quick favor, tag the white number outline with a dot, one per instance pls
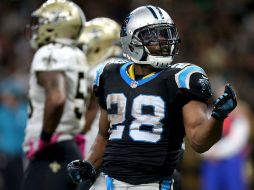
(116, 130)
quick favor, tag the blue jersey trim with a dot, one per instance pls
(165, 185)
(109, 183)
(183, 77)
(98, 75)
(129, 81)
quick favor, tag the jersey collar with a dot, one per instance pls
(130, 79)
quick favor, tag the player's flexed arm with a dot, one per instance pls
(55, 96)
(81, 171)
(202, 132)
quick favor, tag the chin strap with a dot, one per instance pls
(158, 62)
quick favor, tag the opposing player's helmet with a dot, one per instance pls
(100, 39)
(56, 20)
(149, 36)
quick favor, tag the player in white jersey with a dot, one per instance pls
(57, 94)
(100, 41)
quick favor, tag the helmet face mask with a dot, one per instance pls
(149, 36)
(55, 20)
(159, 40)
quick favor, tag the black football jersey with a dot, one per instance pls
(146, 125)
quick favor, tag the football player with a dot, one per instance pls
(100, 41)
(57, 94)
(147, 107)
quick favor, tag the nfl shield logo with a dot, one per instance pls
(134, 84)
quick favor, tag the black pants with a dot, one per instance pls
(177, 180)
(47, 171)
(10, 171)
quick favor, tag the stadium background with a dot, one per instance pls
(216, 34)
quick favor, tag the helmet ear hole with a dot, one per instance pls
(47, 40)
(49, 30)
(144, 56)
(97, 50)
(131, 48)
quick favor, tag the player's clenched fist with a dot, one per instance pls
(225, 103)
(81, 171)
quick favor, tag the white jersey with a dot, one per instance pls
(72, 62)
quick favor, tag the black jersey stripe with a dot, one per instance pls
(160, 12)
(152, 11)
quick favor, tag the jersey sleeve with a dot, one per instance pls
(102, 74)
(98, 87)
(56, 58)
(194, 84)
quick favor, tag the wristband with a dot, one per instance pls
(45, 136)
(91, 170)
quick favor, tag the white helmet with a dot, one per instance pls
(147, 27)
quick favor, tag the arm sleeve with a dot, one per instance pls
(194, 84)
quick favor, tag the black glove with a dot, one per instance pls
(225, 103)
(81, 171)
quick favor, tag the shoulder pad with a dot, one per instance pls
(107, 65)
(180, 65)
(115, 60)
(182, 77)
(53, 57)
(98, 75)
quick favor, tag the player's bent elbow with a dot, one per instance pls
(199, 148)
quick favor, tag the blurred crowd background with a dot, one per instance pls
(217, 35)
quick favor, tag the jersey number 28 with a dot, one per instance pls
(151, 122)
